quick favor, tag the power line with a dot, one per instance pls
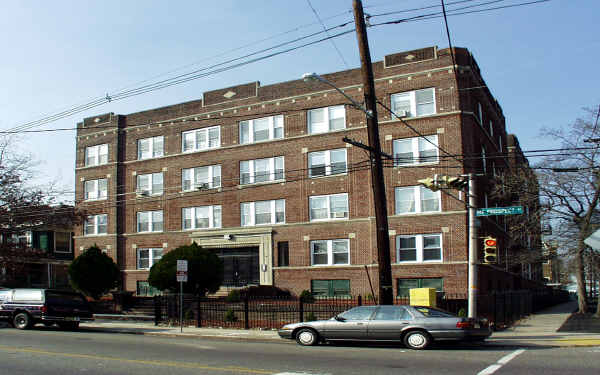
(325, 29)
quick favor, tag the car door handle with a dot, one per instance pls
(403, 322)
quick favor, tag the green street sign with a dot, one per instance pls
(492, 211)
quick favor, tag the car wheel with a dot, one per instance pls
(417, 340)
(307, 337)
(22, 321)
(69, 326)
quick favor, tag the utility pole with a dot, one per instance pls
(473, 283)
(381, 222)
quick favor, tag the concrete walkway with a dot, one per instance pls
(539, 329)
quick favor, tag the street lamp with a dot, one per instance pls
(314, 77)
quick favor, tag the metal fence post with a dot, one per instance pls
(199, 312)
(246, 318)
(301, 310)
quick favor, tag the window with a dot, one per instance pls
(392, 313)
(150, 147)
(62, 242)
(405, 285)
(419, 248)
(417, 150)
(330, 252)
(479, 114)
(264, 212)
(261, 170)
(150, 184)
(415, 199)
(95, 189)
(262, 129)
(323, 120)
(95, 224)
(96, 155)
(325, 163)
(483, 161)
(283, 254)
(414, 103)
(491, 128)
(201, 139)
(148, 257)
(330, 288)
(326, 207)
(150, 221)
(359, 313)
(201, 217)
(208, 177)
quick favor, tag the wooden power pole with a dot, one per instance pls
(381, 219)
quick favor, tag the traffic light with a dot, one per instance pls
(443, 182)
(490, 250)
(430, 183)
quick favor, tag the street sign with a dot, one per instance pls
(182, 270)
(492, 211)
(182, 265)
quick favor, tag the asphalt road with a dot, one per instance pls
(52, 352)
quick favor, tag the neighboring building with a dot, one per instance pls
(48, 268)
(261, 175)
(552, 264)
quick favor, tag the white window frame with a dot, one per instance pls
(491, 130)
(197, 147)
(483, 160)
(151, 177)
(330, 261)
(416, 143)
(92, 191)
(275, 123)
(327, 117)
(70, 242)
(412, 97)
(150, 215)
(330, 214)
(213, 172)
(96, 152)
(96, 220)
(152, 259)
(212, 211)
(479, 116)
(251, 206)
(419, 241)
(328, 165)
(417, 199)
(153, 150)
(251, 170)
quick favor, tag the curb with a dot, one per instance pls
(184, 335)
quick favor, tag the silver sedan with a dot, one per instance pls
(415, 326)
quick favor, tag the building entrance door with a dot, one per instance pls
(241, 266)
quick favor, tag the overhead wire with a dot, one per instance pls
(327, 33)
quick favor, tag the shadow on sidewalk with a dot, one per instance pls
(587, 323)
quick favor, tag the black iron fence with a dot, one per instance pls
(501, 309)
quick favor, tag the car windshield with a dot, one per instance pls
(358, 313)
(434, 313)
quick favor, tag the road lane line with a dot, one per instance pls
(501, 362)
(137, 361)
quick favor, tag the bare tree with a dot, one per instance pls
(24, 207)
(568, 185)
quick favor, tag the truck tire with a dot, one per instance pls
(22, 320)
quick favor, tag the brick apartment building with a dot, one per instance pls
(261, 175)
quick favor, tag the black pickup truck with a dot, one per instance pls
(25, 307)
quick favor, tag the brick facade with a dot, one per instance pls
(454, 122)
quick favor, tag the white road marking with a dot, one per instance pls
(501, 362)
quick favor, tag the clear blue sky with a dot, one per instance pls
(540, 61)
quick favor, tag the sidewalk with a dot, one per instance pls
(542, 327)
(539, 329)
